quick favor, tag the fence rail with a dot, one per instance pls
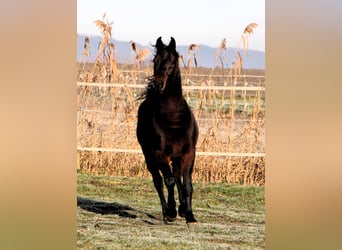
(137, 151)
(231, 143)
(193, 87)
(200, 75)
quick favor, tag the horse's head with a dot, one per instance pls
(165, 63)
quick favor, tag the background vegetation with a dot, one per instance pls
(230, 121)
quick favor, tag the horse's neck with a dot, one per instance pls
(173, 107)
(174, 89)
(172, 103)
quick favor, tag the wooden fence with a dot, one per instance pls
(231, 145)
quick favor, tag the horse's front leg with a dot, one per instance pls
(158, 184)
(187, 193)
(187, 189)
(181, 193)
(169, 180)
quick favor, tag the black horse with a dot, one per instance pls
(167, 132)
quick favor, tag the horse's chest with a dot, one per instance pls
(172, 130)
(172, 142)
(173, 114)
(172, 122)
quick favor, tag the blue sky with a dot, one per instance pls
(201, 22)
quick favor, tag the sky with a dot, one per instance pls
(204, 22)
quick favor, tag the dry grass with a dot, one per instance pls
(229, 120)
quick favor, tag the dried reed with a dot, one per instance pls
(219, 54)
(105, 66)
(192, 51)
(244, 37)
(141, 54)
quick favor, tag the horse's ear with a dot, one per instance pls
(172, 44)
(159, 44)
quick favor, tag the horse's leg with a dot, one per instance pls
(169, 180)
(184, 188)
(168, 208)
(178, 178)
(158, 184)
(188, 189)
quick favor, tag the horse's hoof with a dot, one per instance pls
(190, 219)
(182, 215)
(191, 223)
(167, 220)
(181, 211)
(171, 214)
(170, 219)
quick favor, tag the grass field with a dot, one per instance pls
(125, 213)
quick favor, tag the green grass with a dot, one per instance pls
(125, 213)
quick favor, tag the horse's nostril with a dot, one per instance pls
(162, 86)
(159, 83)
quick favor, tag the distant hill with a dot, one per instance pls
(205, 55)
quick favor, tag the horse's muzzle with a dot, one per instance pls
(161, 83)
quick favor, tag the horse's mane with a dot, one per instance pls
(150, 89)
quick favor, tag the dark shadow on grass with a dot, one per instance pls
(101, 207)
